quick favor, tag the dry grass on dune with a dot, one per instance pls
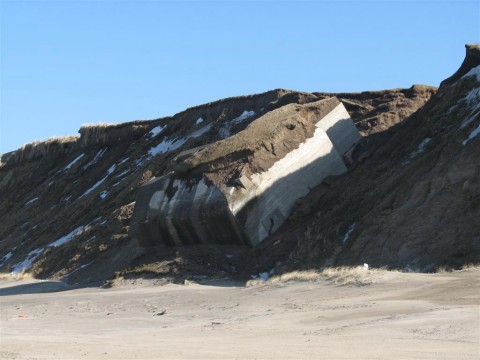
(96, 125)
(16, 276)
(448, 269)
(358, 276)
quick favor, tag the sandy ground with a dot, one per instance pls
(401, 316)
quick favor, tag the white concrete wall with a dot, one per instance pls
(276, 190)
(200, 213)
(196, 213)
(340, 129)
(264, 207)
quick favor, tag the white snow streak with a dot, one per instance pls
(6, 257)
(225, 130)
(199, 121)
(472, 135)
(73, 162)
(347, 234)
(97, 184)
(472, 98)
(200, 131)
(33, 255)
(79, 268)
(111, 169)
(69, 236)
(421, 147)
(32, 201)
(157, 131)
(123, 173)
(98, 155)
(25, 264)
(168, 145)
(123, 161)
(473, 72)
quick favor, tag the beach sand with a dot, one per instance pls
(400, 316)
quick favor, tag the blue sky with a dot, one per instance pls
(65, 63)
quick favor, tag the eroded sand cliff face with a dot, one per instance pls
(411, 200)
(414, 200)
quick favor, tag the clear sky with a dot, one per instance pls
(65, 63)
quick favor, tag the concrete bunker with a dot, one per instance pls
(241, 189)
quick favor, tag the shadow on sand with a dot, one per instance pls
(37, 287)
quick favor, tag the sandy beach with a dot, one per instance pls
(400, 316)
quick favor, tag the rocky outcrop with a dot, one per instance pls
(108, 134)
(472, 59)
(377, 111)
(54, 148)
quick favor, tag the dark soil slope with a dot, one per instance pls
(412, 202)
(66, 203)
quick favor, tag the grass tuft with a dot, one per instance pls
(344, 275)
(16, 276)
(471, 266)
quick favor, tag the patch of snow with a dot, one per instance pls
(123, 173)
(226, 129)
(139, 161)
(473, 72)
(199, 121)
(104, 194)
(25, 264)
(471, 118)
(156, 131)
(365, 266)
(473, 102)
(123, 161)
(420, 148)
(51, 183)
(111, 169)
(132, 203)
(200, 131)
(6, 257)
(69, 236)
(32, 201)
(97, 184)
(472, 135)
(73, 162)
(98, 155)
(472, 95)
(245, 115)
(264, 276)
(79, 268)
(167, 145)
(347, 234)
